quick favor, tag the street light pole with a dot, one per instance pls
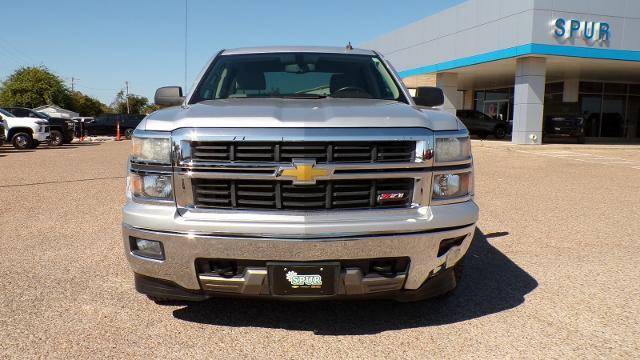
(186, 18)
(127, 95)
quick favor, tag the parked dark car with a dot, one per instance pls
(62, 130)
(483, 125)
(105, 125)
(564, 126)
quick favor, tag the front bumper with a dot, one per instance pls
(417, 238)
(41, 136)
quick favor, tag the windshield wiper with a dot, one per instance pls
(302, 96)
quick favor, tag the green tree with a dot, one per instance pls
(32, 87)
(86, 105)
(137, 103)
(150, 108)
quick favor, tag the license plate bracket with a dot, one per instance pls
(303, 279)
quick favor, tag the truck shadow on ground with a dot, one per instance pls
(491, 283)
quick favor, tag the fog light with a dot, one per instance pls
(147, 248)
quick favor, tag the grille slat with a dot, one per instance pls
(329, 194)
(279, 151)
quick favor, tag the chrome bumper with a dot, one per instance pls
(254, 281)
(182, 250)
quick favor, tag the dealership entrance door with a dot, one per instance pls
(497, 109)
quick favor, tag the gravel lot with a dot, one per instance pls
(553, 271)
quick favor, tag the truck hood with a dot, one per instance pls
(298, 113)
(22, 121)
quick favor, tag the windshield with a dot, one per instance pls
(41, 115)
(6, 113)
(297, 75)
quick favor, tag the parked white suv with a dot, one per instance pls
(25, 132)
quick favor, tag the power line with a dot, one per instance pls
(97, 89)
(24, 57)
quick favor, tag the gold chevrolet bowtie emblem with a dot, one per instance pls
(305, 173)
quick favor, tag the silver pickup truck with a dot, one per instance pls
(300, 173)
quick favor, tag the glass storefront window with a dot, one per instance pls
(612, 88)
(633, 117)
(613, 114)
(590, 87)
(554, 88)
(634, 89)
(590, 106)
(608, 109)
(497, 103)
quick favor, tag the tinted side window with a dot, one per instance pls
(20, 112)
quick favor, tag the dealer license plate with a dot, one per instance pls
(302, 279)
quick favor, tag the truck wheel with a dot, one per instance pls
(22, 141)
(128, 133)
(500, 132)
(55, 138)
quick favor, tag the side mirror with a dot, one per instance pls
(429, 96)
(168, 96)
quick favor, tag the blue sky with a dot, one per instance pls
(105, 43)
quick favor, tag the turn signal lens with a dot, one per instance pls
(154, 187)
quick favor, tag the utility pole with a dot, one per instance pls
(186, 18)
(73, 81)
(127, 95)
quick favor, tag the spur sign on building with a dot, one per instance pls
(589, 31)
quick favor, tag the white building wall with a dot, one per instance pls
(482, 26)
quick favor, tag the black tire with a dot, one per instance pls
(500, 132)
(458, 270)
(55, 138)
(165, 300)
(128, 133)
(22, 141)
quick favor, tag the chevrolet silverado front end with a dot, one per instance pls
(298, 173)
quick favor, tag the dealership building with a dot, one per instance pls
(527, 60)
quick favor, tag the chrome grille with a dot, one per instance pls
(334, 152)
(330, 194)
(301, 168)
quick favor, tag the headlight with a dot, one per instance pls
(154, 147)
(453, 149)
(42, 122)
(153, 187)
(448, 186)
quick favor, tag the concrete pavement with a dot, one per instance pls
(553, 271)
